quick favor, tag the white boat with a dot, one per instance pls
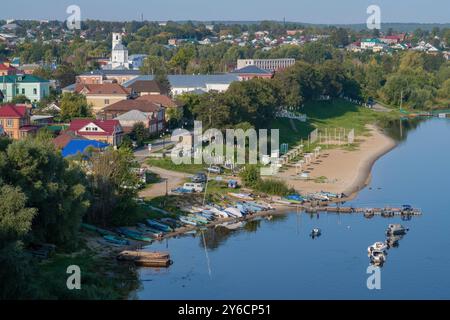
(377, 257)
(377, 246)
(242, 196)
(218, 213)
(396, 229)
(235, 212)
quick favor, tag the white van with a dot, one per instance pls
(194, 187)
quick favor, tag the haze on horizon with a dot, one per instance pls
(306, 11)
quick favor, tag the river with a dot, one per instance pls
(278, 259)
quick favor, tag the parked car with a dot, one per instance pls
(194, 187)
(215, 170)
(199, 177)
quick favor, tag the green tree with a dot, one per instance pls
(250, 176)
(74, 105)
(139, 133)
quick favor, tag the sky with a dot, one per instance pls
(308, 11)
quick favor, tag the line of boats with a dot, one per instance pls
(196, 216)
(377, 252)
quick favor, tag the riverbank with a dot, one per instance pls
(340, 170)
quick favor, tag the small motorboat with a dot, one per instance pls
(377, 246)
(396, 229)
(377, 257)
(315, 233)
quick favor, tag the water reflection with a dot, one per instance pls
(400, 129)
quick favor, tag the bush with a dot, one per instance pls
(274, 187)
(250, 176)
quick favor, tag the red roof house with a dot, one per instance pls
(108, 131)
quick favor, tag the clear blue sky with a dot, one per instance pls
(312, 11)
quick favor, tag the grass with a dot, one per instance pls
(167, 164)
(101, 278)
(329, 114)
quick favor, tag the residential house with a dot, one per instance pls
(63, 139)
(41, 120)
(108, 76)
(145, 87)
(76, 147)
(252, 72)
(7, 70)
(107, 131)
(368, 44)
(102, 95)
(29, 68)
(155, 114)
(34, 88)
(15, 121)
(391, 40)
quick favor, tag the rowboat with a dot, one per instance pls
(189, 221)
(116, 240)
(137, 255)
(92, 228)
(134, 235)
(171, 222)
(241, 196)
(234, 212)
(294, 199)
(157, 234)
(153, 263)
(197, 218)
(217, 212)
(250, 207)
(158, 225)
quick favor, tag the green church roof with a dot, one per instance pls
(21, 79)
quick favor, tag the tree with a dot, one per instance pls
(50, 185)
(20, 99)
(113, 182)
(153, 65)
(74, 105)
(164, 83)
(139, 133)
(65, 74)
(250, 176)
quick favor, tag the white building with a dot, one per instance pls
(119, 54)
(266, 64)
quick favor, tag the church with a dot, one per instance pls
(119, 55)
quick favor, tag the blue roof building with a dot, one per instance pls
(75, 147)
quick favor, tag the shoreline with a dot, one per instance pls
(346, 172)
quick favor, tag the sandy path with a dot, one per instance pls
(174, 180)
(346, 171)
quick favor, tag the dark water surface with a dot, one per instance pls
(278, 260)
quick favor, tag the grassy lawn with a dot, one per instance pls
(167, 164)
(330, 115)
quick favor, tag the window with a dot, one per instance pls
(34, 91)
(9, 123)
(23, 91)
(106, 101)
(17, 90)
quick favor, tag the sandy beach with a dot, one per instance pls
(345, 171)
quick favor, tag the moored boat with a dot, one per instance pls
(241, 196)
(116, 240)
(135, 235)
(396, 229)
(377, 246)
(158, 225)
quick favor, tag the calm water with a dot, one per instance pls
(278, 260)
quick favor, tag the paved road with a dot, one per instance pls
(169, 179)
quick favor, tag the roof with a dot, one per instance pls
(163, 100)
(64, 138)
(133, 115)
(99, 89)
(5, 67)
(12, 111)
(146, 86)
(128, 105)
(121, 72)
(79, 146)
(108, 126)
(120, 47)
(26, 78)
(252, 70)
(40, 117)
(191, 81)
